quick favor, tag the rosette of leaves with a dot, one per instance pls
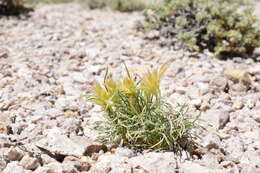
(138, 116)
(224, 27)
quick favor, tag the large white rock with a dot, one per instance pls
(13, 167)
(155, 162)
(60, 144)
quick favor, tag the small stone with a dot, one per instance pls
(196, 102)
(46, 159)
(226, 163)
(203, 88)
(71, 125)
(254, 70)
(196, 78)
(155, 162)
(247, 168)
(256, 116)
(189, 167)
(79, 77)
(216, 118)
(94, 148)
(13, 167)
(238, 104)
(5, 141)
(204, 106)
(223, 135)
(234, 153)
(218, 83)
(211, 141)
(210, 160)
(180, 90)
(250, 157)
(152, 34)
(91, 146)
(124, 152)
(94, 69)
(250, 103)
(36, 118)
(256, 145)
(14, 154)
(54, 167)
(29, 162)
(61, 103)
(81, 164)
(3, 55)
(69, 168)
(77, 54)
(257, 88)
(92, 52)
(59, 90)
(71, 114)
(5, 121)
(237, 75)
(237, 87)
(2, 164)
(108, 162)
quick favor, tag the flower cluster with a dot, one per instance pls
(138, 116)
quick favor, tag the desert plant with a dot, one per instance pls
(126, 5)
(36, 2)
(93, 4)
(120, 5)
(12, 2)
(13, 7)
(222, 26)
(138, 116)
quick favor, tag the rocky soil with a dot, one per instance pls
(50, 60)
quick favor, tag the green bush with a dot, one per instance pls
(224, 27)
(13, 7)
(126, 5)
(138, 116)
(93, 4)
(120, 5)
(37, 2)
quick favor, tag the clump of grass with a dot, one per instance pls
(137, 114)
(224, 27)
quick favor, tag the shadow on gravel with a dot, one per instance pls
(255, 57)
(14, 10)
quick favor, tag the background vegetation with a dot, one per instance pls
(222, 26)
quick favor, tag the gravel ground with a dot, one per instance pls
(48, 61)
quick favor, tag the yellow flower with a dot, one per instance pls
(111, 85)
(105, 96)
(151, 81)
(101, 96)
(128, 85)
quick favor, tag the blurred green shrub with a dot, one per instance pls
(224, 27)
(138, 116)
(13, 7)
(93, 4)
(120, 5)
